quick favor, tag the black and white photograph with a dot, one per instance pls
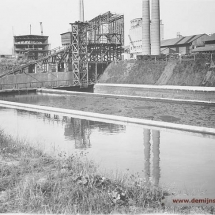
(107, 107)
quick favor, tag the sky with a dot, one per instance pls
(185, 16)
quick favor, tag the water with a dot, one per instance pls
(188, 114)
(181, 160)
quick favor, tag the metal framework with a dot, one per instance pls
(93, 46)
(31, 46)
(107, 28)
(79, 54)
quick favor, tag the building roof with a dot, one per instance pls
(180, 41)
(170, 42)
(204, 49)
(66, 32)
(31, 36)
(210, 38)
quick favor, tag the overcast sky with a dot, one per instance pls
(185, 16)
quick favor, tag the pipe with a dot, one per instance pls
(146, 49)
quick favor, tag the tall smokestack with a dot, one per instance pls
(155, 27)
(146, 50)
(81, 10)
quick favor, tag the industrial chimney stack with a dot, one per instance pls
(146, 49)
(81, 10)
(151, 33)
(155, 27)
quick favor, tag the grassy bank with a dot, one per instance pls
(133, 72)
(174, 72)
(32, 182)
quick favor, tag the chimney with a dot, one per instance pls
(81, 10)
(155, 27)
(146, 50)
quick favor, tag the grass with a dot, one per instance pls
(133, 72)
(32, 182)
(185, 73)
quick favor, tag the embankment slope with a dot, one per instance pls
(174, 72)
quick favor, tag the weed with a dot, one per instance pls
(38, 183)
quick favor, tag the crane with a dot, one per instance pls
(131, 41)
(41, 28)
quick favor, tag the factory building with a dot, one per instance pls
(135, 36)
(30, 46)
(182, 44)
(107, 28)
(209, 45)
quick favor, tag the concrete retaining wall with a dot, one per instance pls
(171, 92)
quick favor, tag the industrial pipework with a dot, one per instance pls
(155, 27)
(146, 49)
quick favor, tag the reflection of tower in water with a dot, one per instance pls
(78, 130)
(81, 133)
(153, 137)
(147, 147)
(75, 129)
(156, 158)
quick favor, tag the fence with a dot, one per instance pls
(208, 57)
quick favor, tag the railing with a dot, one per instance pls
(35, 84)
(179, 57)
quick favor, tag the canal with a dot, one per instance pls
(176, 159)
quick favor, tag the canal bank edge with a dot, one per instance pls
(187, 72)
(164, 92)
(108, 118)
(130, 97)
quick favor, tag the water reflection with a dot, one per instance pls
(159, 156)
(147, 149)
(152, 137)
(82, 132)
(156, 157)
(80, 129)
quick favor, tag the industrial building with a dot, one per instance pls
(182, 44)
(145, 34)
(30, 46)
(135, 36)
(94, 45)
(209, 45)
(107, 28)
(87, 49)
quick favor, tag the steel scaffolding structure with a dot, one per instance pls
(87, 51)
(79, 54)
(107, 28)
(105, 40)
